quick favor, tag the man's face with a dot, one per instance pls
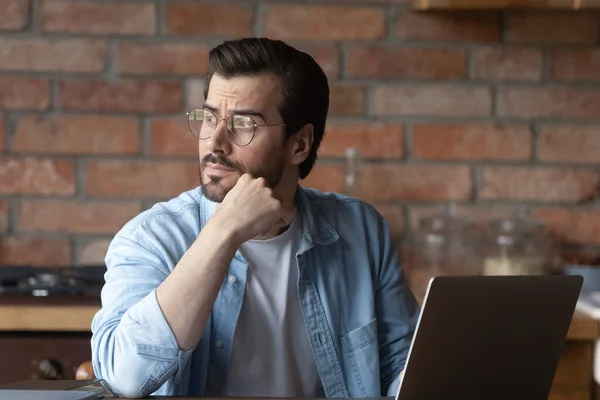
(222, 162)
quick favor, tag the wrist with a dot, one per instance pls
(224, 232)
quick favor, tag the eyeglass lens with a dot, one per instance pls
(203, 122)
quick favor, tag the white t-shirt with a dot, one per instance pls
(272, 356)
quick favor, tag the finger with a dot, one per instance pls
(280, 223)
(264, 234)
(243, 177)
(262, 182)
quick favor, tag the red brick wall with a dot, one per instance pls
(491, 110)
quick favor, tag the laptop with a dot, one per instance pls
(46, 395)
(489, 337)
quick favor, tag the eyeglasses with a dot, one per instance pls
(241, 128)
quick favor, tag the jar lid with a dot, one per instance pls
(508, 225)
(445, 224)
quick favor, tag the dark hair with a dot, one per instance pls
(305, 94)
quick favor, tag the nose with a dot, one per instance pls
(219, 140)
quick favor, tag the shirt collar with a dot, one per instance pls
(316, 228)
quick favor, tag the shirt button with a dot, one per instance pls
(219, 343)
(232, 279)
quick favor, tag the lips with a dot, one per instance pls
(219, 167)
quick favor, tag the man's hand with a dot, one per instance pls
(251, 209)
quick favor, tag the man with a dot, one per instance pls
(252, 285)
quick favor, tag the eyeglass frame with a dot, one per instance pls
(219, 119)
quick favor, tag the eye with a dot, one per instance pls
(209, 117)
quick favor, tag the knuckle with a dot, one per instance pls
(272, 201)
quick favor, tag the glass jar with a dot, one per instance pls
(518, 246)
(442, 245)
(353, 182)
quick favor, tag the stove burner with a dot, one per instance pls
(42, 282)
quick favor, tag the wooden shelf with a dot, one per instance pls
(433, 5)
(588, 4)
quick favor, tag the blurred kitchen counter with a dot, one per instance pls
(583, 328)
(573, 379)
(46, 337)
(29, 314)
(574, 375)
(26, 314)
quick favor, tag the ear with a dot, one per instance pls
(301, 143)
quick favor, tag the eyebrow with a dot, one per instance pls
(237, 111)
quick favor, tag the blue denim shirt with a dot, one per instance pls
(359, 314)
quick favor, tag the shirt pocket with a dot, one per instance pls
(361, 358)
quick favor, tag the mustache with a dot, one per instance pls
(220, 160)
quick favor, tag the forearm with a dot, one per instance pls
(136, 354)
(187, 295)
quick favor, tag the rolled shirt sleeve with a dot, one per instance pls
(133, 347)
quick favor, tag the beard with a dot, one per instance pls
(214, 189)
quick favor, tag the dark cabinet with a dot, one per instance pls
(42, 355)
